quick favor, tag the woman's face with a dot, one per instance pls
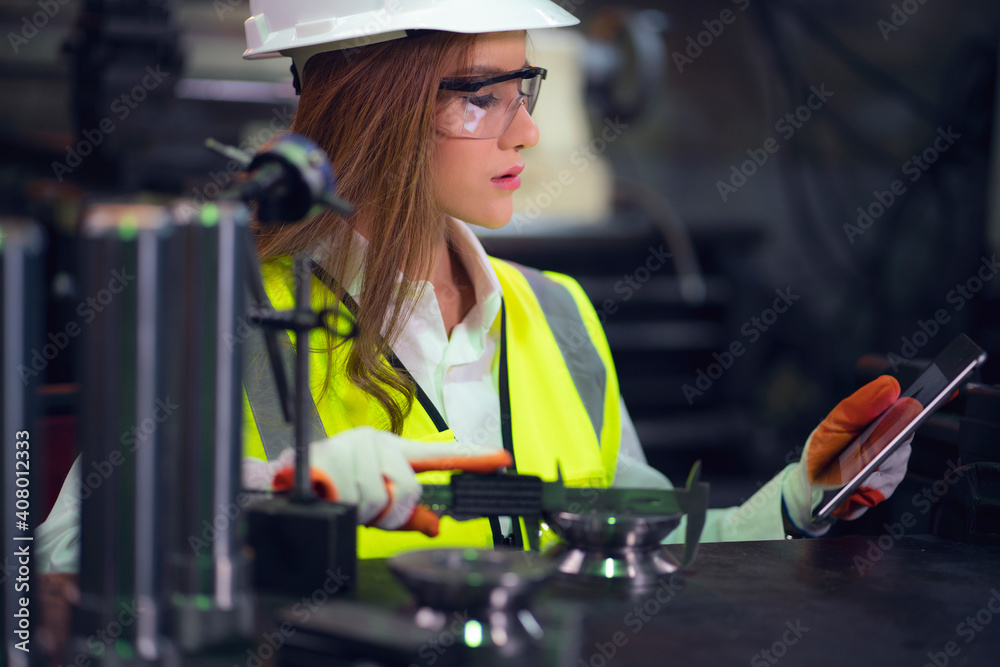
(472, 178)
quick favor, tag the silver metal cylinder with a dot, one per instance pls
(161, 410)
(119, 617)
(22, 297)
(205, 570)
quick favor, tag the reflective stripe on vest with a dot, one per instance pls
(563, 389)
(276, 435)
(585, 366)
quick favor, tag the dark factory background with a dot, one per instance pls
(791, 185)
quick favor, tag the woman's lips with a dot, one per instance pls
(507, 182)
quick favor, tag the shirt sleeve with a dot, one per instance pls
(58, 537)
(759, 518)
(632, 470)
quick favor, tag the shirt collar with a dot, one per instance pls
(470, 252)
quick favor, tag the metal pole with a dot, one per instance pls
(21, 287)
(303, 293)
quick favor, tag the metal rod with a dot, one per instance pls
(21, 313)
(303, 278)
(147, 368)
(227, 386)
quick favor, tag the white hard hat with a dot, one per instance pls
(303, 28)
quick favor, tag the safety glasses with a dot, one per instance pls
(485, 108)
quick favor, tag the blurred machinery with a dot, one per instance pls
(675, 283)
(22, 247)
(161, 514)
(638, 157)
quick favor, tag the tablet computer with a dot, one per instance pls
(900, 420)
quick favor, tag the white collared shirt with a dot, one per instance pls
(459, 372)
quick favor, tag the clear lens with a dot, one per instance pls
(488, 112)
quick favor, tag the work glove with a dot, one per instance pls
(803, 484)
(376, 471)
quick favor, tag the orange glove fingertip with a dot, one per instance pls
(478, 464)
(322, 485)
(887, 388)
(858, 410)
(424, 521)
(849, 418)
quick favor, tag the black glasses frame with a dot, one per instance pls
(473, 86)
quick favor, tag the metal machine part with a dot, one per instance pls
(160, 422)
(608, 533)
(492, 589)
(600, 545)
(624, 544)
(470, 495)
(297, 540)
(204, 568)
(287, 179)
(123, 253)
(124, 55)
(22, 246)
(626, 61)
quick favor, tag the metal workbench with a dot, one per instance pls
(839, 601)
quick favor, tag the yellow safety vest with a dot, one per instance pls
(564, 398)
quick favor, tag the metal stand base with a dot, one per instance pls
(301, 548)
(625, 548)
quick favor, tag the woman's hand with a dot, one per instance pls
(817, 470)
(376, 471)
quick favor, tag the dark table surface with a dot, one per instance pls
(881, 601)
(838, 601)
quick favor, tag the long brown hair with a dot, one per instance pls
(373, 110)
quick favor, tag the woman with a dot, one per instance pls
(425, 130)
(459, 360)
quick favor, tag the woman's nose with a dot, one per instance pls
(522, 131)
